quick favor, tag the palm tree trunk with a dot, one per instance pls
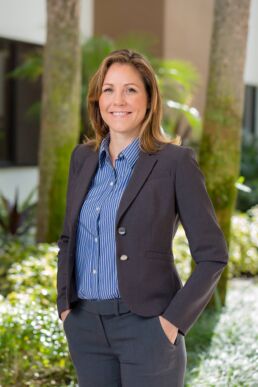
(60, 113)
(220, 146)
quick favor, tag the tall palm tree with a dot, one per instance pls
(60, 112)
(221, 140)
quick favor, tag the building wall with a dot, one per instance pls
(251, 67)
(25, 20)
(187, 35)
(182, 29)
(25, 179)
(114, 18)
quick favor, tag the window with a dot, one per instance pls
(251, 111)
(19, 131)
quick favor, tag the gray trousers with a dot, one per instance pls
(112, 347)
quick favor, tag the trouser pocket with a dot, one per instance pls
(163, 333)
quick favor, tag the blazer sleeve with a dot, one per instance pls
(206, 242)
(63, 243)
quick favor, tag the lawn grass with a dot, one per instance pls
(222, 347)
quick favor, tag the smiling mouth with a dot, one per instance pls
(120, 114)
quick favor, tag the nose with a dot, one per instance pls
(119, 98)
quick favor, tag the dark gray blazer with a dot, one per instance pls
(166, 187)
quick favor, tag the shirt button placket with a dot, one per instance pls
(94, 272)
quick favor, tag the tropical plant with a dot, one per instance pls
(17, 230)
(178, 81)
(31, 67)
(16, 219)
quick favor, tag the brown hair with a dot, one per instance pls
(151, 136)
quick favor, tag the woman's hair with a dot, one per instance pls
(151, 135)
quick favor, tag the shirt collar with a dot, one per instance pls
(130, 153)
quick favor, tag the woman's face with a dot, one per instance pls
(123, 100)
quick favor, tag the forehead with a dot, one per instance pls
(123, 73)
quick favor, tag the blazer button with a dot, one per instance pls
(123, 257)
(121, 231)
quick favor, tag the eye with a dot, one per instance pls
(107, 90)
(130, 90)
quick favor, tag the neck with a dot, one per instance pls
(118, 143)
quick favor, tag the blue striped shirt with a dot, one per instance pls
(96, 271)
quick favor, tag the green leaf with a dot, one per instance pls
(31, 68)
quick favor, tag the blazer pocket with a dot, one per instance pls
(159, 255)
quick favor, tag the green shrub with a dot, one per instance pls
(182, 255)
(244, 244)
(243, 249)
(12, 252)
(35, 276)
(33, 350)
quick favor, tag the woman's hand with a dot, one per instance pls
(170, 330)
(65, 313)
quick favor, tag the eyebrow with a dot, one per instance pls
(126, 84)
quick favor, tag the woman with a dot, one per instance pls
(124, 309)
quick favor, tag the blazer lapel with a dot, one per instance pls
(142, 169)
(83, 180)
